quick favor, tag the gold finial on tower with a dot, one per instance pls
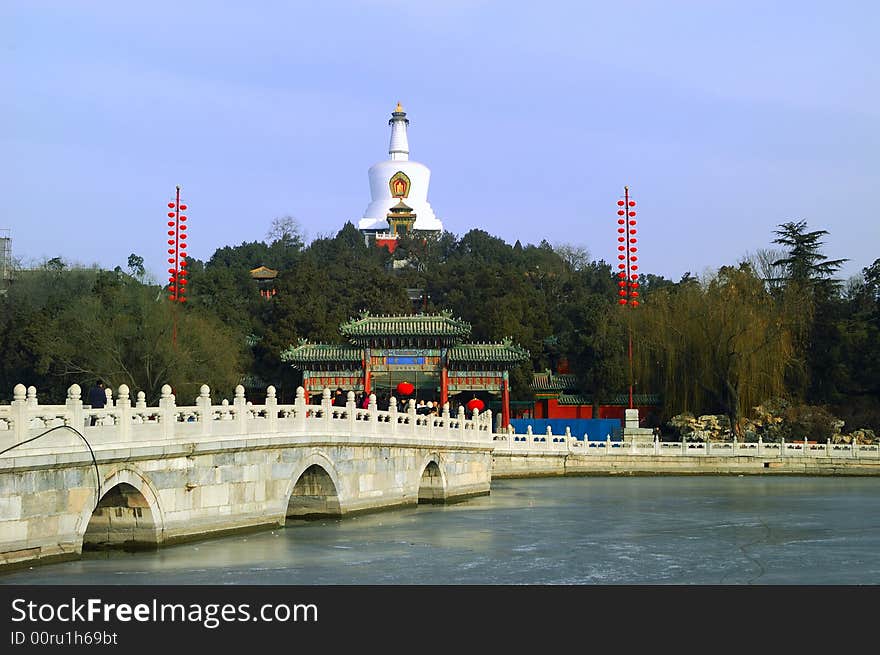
(399, 107)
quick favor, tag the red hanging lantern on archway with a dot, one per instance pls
(475, 404)
(405, 388)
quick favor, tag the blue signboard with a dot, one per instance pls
(405, 360)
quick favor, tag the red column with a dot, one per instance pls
(367, 380)
(505, 402)
(444, 386)
(306, 386)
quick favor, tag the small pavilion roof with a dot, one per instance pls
(311, 353)
(548, 381)
(263, 273)
(504, 352)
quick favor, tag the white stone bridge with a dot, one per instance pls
(156, 475)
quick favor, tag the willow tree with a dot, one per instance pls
(720, 346)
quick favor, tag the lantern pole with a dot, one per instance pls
(627, 277)
(176, 259)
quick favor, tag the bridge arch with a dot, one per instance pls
(432, 483)
(128, 514)
(313, 491)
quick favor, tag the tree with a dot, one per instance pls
(804, 263)
(136, 267)
(287, 230)
(721, 346)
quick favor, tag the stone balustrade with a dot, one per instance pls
(121, 422)
(510, 443)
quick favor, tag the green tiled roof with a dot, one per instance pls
(619, 399)
(575, 399)
(306, 353)
(505, 352)
(553, 382)
(415, 325)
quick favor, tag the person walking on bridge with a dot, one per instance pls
(97, 398)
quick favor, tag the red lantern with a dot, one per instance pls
(632, 203)
(631, 214)
(619, 203)
(405, 388)
(475, 404)
(171, 205)
(620, 212)
(622, 301)
(171, 214)
(183, 207)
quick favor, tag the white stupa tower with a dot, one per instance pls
(399, 189)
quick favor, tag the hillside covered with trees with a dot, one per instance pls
(775, 325)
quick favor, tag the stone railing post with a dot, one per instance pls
(206, 415)
(299, 405)
(373, 410)
(31, 400)
(350, 411)
(167, 411)
(392, 413)
(828, 447)
(708, 445)
(20, 412)
(782, 447)
(760, 446)
(73, 405)
(108, 393)
(413, 417)
(271, 409)
(239, 403)
(123, 405)
(549, 435)
(326, 407)
(461, 422)
(445, 415)
(607, 444)
(683, 445)
(141, 402)
(656, 445)
(734, 445)
(530, 437)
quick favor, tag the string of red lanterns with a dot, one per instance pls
(177, 250)
(627, 282)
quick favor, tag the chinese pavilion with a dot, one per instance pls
(265, 279)
(426, 350)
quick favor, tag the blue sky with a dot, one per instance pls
(724, 118)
